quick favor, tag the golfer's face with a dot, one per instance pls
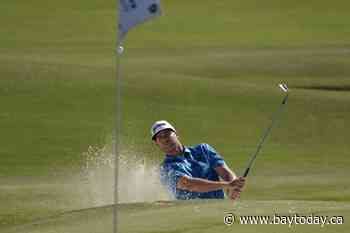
(167, 140)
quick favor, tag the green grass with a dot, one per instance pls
(196, 216)
(209, 68)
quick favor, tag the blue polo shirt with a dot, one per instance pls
(198, 161)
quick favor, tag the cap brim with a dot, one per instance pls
(154, 136)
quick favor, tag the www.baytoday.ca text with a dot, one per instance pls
(289, 220)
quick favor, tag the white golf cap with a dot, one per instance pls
(159, 126)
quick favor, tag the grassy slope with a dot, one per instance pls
(54, 98)
(201, 216)
(214, 77)
(57, 98)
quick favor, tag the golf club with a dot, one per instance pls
(284, 88)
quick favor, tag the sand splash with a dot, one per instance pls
(138, 179)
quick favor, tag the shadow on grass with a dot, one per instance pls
(325, 87)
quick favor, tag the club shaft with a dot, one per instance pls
(266, 133)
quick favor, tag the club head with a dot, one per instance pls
(283, 87)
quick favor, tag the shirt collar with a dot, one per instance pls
(181, 156)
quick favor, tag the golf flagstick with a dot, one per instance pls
(284, 88)
(131, 13)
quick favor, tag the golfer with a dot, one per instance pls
(193, 172)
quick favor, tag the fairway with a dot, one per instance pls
(211, 69)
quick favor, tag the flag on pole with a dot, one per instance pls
(134, 12)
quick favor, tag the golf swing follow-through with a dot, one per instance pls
(284, 88)
(193, 172)
(199, 171)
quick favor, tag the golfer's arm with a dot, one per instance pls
(225, 173)
(200, 185)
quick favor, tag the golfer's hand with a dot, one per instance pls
(236, 187)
